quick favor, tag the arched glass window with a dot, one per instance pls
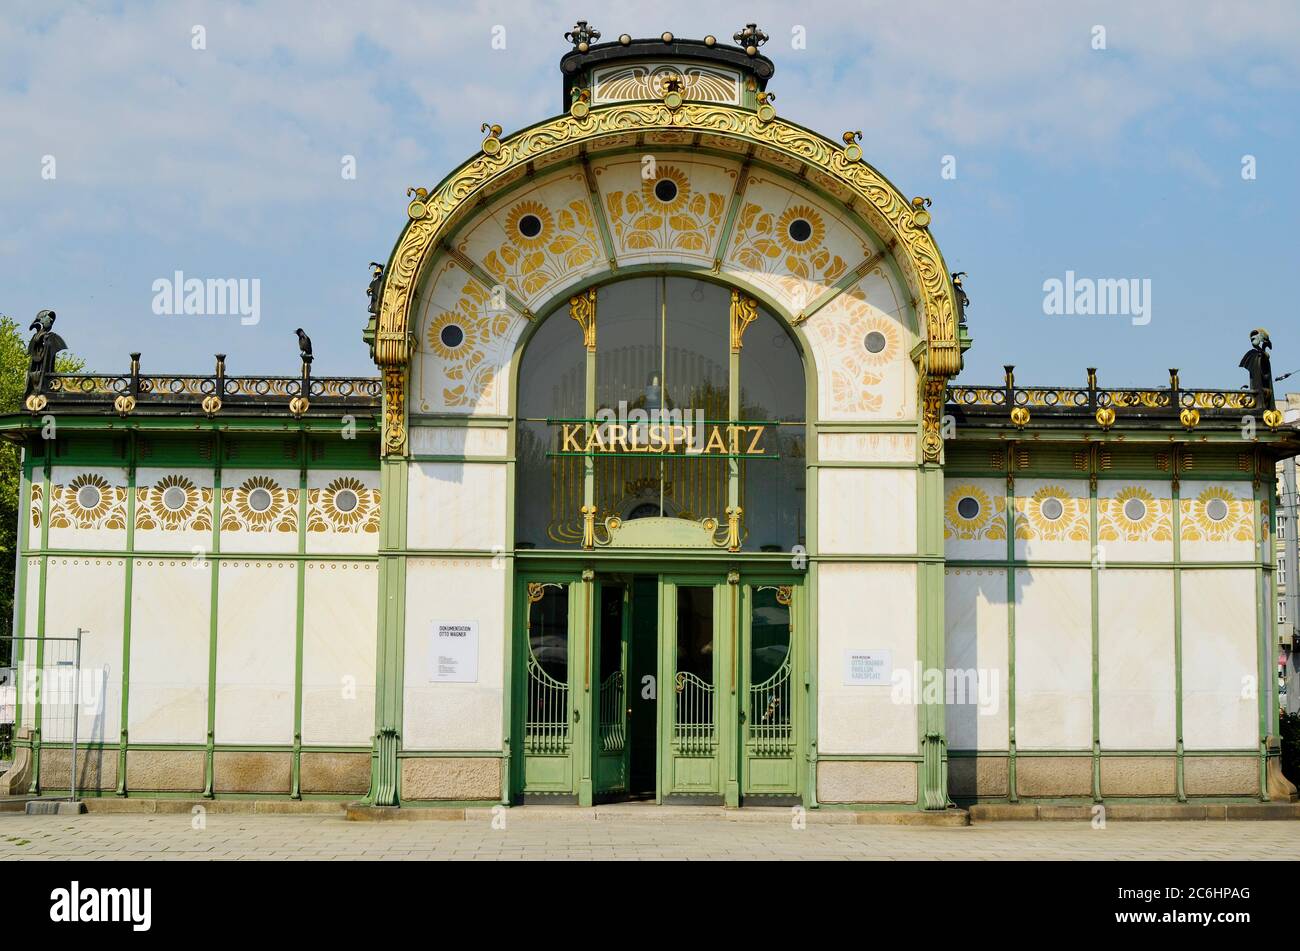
(646, 424)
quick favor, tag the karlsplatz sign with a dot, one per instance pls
(663, 438)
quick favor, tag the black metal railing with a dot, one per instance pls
(138, 390)
(1154, 402)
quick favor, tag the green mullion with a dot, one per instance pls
(1176, 490)
(1010, 502)
(20, 579)
(128, 584)
(1095, 626)
(208, 766)
(733, 210)
(40, 617)
(1264, 610)
(932, 790)
(508, 618)
(390, 640)
(295, 786)
(598, 211)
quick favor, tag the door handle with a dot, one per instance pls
(742, 716)
(577, 714)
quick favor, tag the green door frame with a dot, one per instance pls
(732, 608)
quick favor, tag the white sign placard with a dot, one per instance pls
(8, 694)
(868, 668)
(455, 652)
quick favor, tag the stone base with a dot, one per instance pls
(1124, 776)
(96, 768)
(1221, 775)
(457, 778)
(1053, 777)
(165, 770)
(846, 781)
(234, 772)
(1135, 812)
(53, 808)
(18, 778)
(339, 773)
(977, 777)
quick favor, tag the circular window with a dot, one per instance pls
(452, 336)
(1135, 510)
(967, 507)
(800, 230)
(874, 342)
(1216, 509)
(88, 496)
(530, 226)
(665, 190)
(259, 500)
(1052, 509)
(173, 498)
(345, 500)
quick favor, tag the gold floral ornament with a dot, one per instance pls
(1217, 515)
(665, 213)
(89, 501)
(542, 247)
(885, 209)
(345, 505)
(1052, 514)
(259, 504)
(36, 505)
(172, 504)
(859, 342)
(971, 514)
(460, 338)
(790, 245)
(1133, 514)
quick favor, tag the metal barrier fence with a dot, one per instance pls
(42, 690)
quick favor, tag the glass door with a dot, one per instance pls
(610, 661)
(774, 693)
(545, 716)
(694, 685)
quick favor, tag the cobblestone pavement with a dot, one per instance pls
(255, 837)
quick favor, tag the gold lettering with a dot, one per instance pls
(570, 438)
(715, 439)
(754, 448)
(658, 442)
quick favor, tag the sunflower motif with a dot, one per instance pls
(348, 505)
(1134, 514)
(516, 216)
(260, 502)
(1216, 515)
(789, 230)
(888, 346)
(88, 501)
(456, 343)
(1050, 514)
(967, 525)
(651, 189)
(168, 489)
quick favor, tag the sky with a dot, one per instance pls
(1153, 142)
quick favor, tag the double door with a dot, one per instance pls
(678, 687)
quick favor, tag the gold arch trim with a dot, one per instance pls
(884, 207)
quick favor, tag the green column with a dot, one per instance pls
(391, 632)
(933, 790)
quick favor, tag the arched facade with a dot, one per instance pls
(543, 227)
(663, 491)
